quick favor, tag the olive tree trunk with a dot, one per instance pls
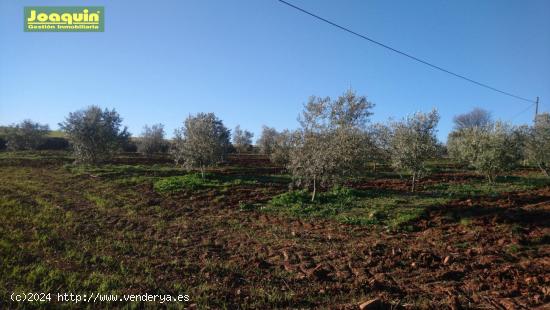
(314, 189)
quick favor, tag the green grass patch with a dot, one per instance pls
(483, 188)
(110, 171)
(177, 183)
(96, 200)
(357, 207)
(195, 181)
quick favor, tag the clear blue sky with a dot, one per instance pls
(256, 62)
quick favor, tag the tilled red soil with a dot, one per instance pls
(250, 259)
(443, 265)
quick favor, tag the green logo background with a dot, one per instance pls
(60, 10)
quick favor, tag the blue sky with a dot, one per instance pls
(255, 62)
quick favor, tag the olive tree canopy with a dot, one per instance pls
(152, 140)
(267, 140)
(277, 145)
(242, 139)
(489, 150)
(203, 141)
(413, 142)
(281, 147)
(538, 143)
(379, 143)
(94, 134)
(26, 135)
(330, 146)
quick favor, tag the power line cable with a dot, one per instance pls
(522, 111)
(403, 53)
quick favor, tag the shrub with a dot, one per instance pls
(152, 140)
(94, 134)
(413, 142)
(26, 135)
(203, 141)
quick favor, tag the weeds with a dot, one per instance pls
(476, 188)
(174, 184)
(355, 207)
(195, 181)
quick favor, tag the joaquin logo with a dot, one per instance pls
(64, 18)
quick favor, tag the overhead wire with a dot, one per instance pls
(522, 111)
(433, 66)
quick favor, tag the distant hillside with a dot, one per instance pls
(56, 134)
(51, 134)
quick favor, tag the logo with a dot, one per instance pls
(64, 18)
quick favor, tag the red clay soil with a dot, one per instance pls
(326, 264)
(499, 259)
(404, 184)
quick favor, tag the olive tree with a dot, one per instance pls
(242, 139)
(94, 134)
(520, 139)
(279, 153)
(310, 162)
(379, 143)
(267, 140)
(537, 148)
(276, 145)
(27, 135)
(329, 146)
(202, 142)
(152, 140)
(413, 142)
(489, 150)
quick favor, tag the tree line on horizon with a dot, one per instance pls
(335, 141)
